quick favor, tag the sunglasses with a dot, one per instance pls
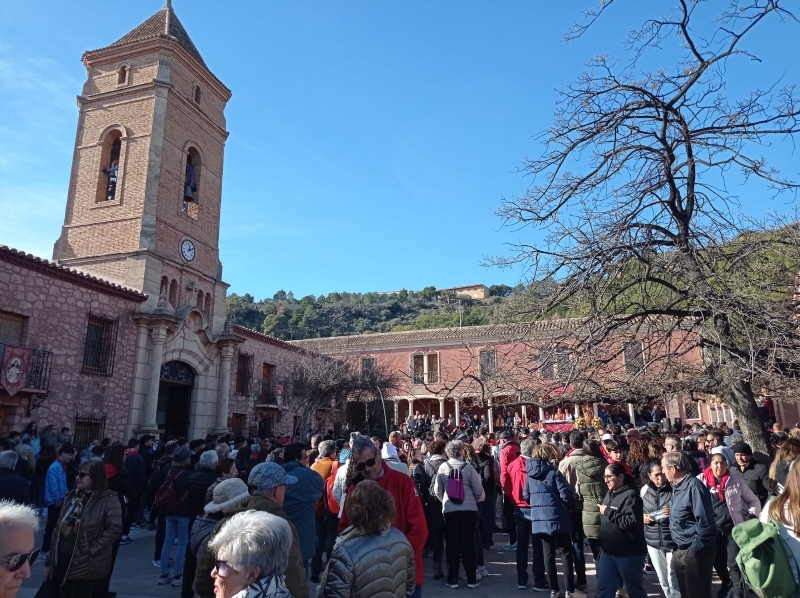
(223, 568)
(82, 474)
(16, 562)
(365, 464)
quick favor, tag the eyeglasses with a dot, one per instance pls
(365, 464)
(609, 477)
(223, 568)
(82, 474)
(16, 562)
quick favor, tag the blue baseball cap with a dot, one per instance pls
(268, 475)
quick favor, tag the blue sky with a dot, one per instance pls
(370, 143)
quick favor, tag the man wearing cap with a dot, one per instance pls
(756, 475)
(409, 514)
(267, 482)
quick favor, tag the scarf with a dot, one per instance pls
(73, 513)
(711, 482)
(271, 586)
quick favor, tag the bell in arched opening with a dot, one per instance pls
(190, 185)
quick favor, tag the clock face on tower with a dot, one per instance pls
(187, 250)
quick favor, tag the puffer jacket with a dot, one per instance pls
(374, 566)
(99, 528)
(295, 572)
(657, 533)
(473, 488)
(199, 534)
(198, 483)
(549, 496)
(592, 490)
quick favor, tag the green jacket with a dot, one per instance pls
(592, 488)
(295, 572)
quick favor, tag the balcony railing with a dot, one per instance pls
(39, 364)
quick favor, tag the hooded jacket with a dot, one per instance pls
(622, 525)
(370, 566)
(738, 497)
(295, 572)
(299, 503)
(473, 488)
(518, 474)
(549, 496)
(508, 453)
(390, 458)
(592, 489)
(198, 483)
(691, 517)
(14, 487)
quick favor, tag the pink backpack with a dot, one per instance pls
(455, 486)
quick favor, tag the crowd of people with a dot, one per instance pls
(359, 516)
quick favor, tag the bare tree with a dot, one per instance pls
(644, 235)
(317, 381)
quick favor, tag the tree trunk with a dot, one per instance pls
(740, 398)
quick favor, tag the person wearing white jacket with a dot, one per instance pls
(460, 518)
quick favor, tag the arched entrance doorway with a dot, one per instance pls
(175, 398)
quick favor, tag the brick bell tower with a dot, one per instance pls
(143, 207)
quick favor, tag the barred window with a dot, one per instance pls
(692, 410)
(418, 369)
(244, 374)
(101, 343)
(11, 327)
(633, 354)
(433, 368)
(368, 365)
(556, 364)
(488, 363)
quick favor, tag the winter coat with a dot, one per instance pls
(198, 483)
(473, 489)
(374, 566)
(433, 510)
(409, 515)
(120, 482)
(180, 479)
(323, 467)
(592, 489)
(200, 532)
(100, 526)
(27, 457)
(657, 533)
(509, 452)
(423, 483)
(756, 476)
(137, 468)
(691, 517)
(567, 467)
(295, 572)
(739, 498)
(299, 503)
(549, 496)
(489, 471)
(14, 487)
(518, 474)
(55, 486)
(622, 525)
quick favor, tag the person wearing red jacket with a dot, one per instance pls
(409, 517)
(517, 474)
(509, 451)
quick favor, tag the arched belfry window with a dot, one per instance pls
(108, 181)
(122, 75)
(198, 94)
(191, 182)
(173, 293)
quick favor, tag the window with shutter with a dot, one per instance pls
(11, 328)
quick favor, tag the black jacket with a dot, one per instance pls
(756, 476)
(137, 468)
(120, 482)
(14, 487)
(199, 482)
(622, 525)
(691, 517)
(657, 534)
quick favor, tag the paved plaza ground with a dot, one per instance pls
(134, 575)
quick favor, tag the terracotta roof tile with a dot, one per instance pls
(542, 328)
(45, 266)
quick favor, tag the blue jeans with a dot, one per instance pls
(613, 571)
(523, 527)
(417, 592)
(177, 527)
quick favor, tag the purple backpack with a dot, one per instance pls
(455, 486)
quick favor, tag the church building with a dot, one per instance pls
(130, 314)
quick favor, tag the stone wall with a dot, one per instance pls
(56, 304)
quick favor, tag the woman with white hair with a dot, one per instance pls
(458, 486)
(18, 528)
(252, 551)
